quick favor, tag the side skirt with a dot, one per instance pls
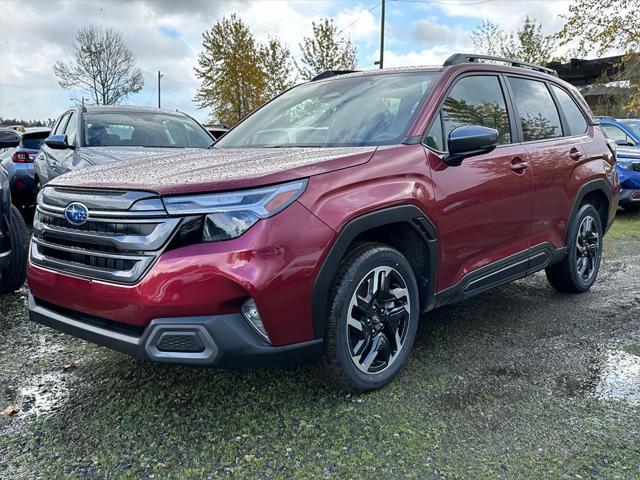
(506, 270)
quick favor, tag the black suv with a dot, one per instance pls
(13, 231)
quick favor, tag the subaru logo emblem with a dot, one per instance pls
(76, 213)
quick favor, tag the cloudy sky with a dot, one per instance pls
(166, 35)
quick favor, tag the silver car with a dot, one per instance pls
(89, 136)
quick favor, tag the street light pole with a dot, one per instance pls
(381, 62)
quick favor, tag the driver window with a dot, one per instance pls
(61, 125)
(477, 100)
(616, 134)
(72, 129)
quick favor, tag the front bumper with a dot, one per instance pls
(225, 341)
(272, 263)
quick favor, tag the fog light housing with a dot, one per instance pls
(251, 314)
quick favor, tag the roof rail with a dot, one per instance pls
(458, 58)
(331, 73)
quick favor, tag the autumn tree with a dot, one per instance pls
(325, 50)
(603, 25)
(102, 66)
(277, 64)
(527, 43)
(229, 67)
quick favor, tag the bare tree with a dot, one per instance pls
(103, 66)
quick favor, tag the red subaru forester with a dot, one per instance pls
(328, 221)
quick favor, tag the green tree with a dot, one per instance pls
(102, 65)
(603, 25)
(233, 82)
(325, 50)
(527, 43)
(488, 38)
(277, 64)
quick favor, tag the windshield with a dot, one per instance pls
(142, 129)
(357, 111)
(34, 141)
(633, 125)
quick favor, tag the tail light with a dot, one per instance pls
(21, 157)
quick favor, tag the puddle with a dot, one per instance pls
(43, 394)
(619, 377)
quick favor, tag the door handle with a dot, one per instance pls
(518, 165)
(575, 154)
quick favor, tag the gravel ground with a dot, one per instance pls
(520, 382)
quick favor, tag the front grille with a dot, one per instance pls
(114, 245)
(187, 342)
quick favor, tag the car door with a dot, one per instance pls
(555, 152)
(483, 205)
(53, 156)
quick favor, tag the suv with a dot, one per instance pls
(329, 220)
(89, 136)
(13, 231)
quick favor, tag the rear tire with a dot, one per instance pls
(579, 269)
(15, 273)
(372, 320)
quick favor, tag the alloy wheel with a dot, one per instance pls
(378, 320)
(587, 248)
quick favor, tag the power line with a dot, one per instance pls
(359, 17)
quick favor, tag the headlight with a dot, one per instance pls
(229, 215)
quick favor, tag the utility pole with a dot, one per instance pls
(381, 61)
(159, 77)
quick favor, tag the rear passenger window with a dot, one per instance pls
(575, 119)
(538, 113)
(477, 100)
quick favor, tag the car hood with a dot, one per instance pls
(102, 155)
(192, 171)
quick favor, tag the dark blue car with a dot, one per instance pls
(626, 134)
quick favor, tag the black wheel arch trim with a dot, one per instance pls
(599, 184)
(409, 214)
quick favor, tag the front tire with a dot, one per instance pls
(631, 207)
(372, 320)
(578, 270)
(15, 273)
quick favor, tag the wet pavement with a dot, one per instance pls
(519, 382)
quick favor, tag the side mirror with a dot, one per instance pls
(625, 143)
(9, 139)
(468, 141)
(57, 142)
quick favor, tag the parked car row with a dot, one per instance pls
(626, 134)
(13, 231)
(325, 223)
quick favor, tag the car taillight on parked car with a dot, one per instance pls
(21, 157)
